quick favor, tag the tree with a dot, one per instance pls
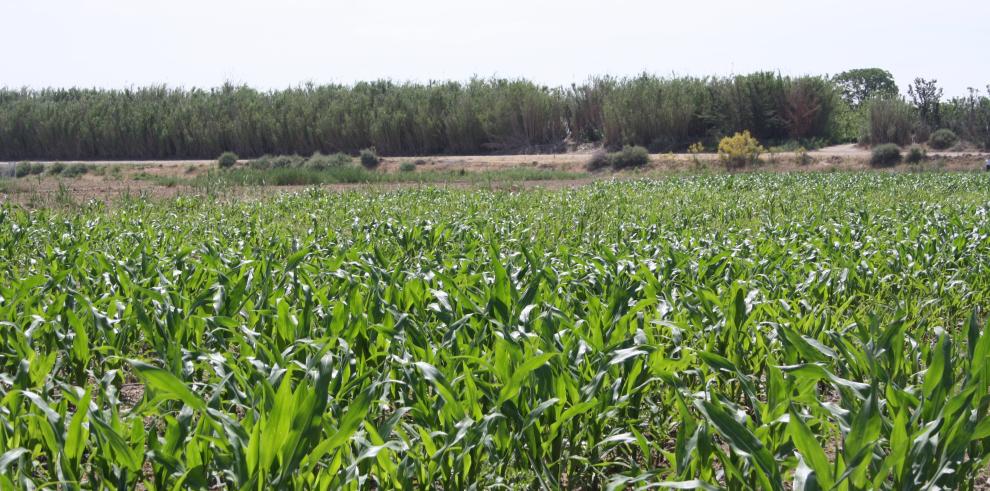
(927, 97)
(863, 84)
(803, 106)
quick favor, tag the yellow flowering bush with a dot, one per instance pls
(739, 150)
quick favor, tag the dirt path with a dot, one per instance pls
(559, 160)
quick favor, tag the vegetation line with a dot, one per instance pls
(479, 116)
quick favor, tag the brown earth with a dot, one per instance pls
(166, 179)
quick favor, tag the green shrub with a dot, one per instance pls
(261, 163)
(227, 160)
(37, 169)
(739, 150)
(287, 161)
(369, 158)
(407, 167)
(943, 139)
(318, 161)
(802, 157)
(885, 155)
(629, 156)
(599, 160)
(915, 155)
(55, 169)
(340, 159)
(75, 170)
(22, 169)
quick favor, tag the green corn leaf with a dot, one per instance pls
(76, 436)
(742, 440)
(11, 456)
(520, 374)
(166, 384)
(810, 450)
(356, 413)
(439, 382)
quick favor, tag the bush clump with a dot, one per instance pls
(598, 161)
(407, 167)
(916, 154)
(55, 169)
(340, 159)
(75, 170)
(739, 150)
(629, 156)
(261, 163)
(227, 160)
(370, 158)
(22, 169)
(318, 161)
(942, 139)
(287, 161)
(885, 155)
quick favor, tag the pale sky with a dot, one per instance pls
(276, 44)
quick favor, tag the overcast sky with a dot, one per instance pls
(275, 44)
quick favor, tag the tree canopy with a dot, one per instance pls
(863, 84)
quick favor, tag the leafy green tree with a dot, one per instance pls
(927, 97)
(862, 84)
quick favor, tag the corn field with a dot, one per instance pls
(807, 331)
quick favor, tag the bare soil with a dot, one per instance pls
(167, 179)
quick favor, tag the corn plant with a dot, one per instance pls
(806, 331)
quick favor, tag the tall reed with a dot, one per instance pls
(477, 116)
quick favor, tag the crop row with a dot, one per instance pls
(739, 332)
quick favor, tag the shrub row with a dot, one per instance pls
(24, 169)
(369, 159)
(927, 119)
(735, 152)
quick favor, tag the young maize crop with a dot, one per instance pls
(806, 331)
